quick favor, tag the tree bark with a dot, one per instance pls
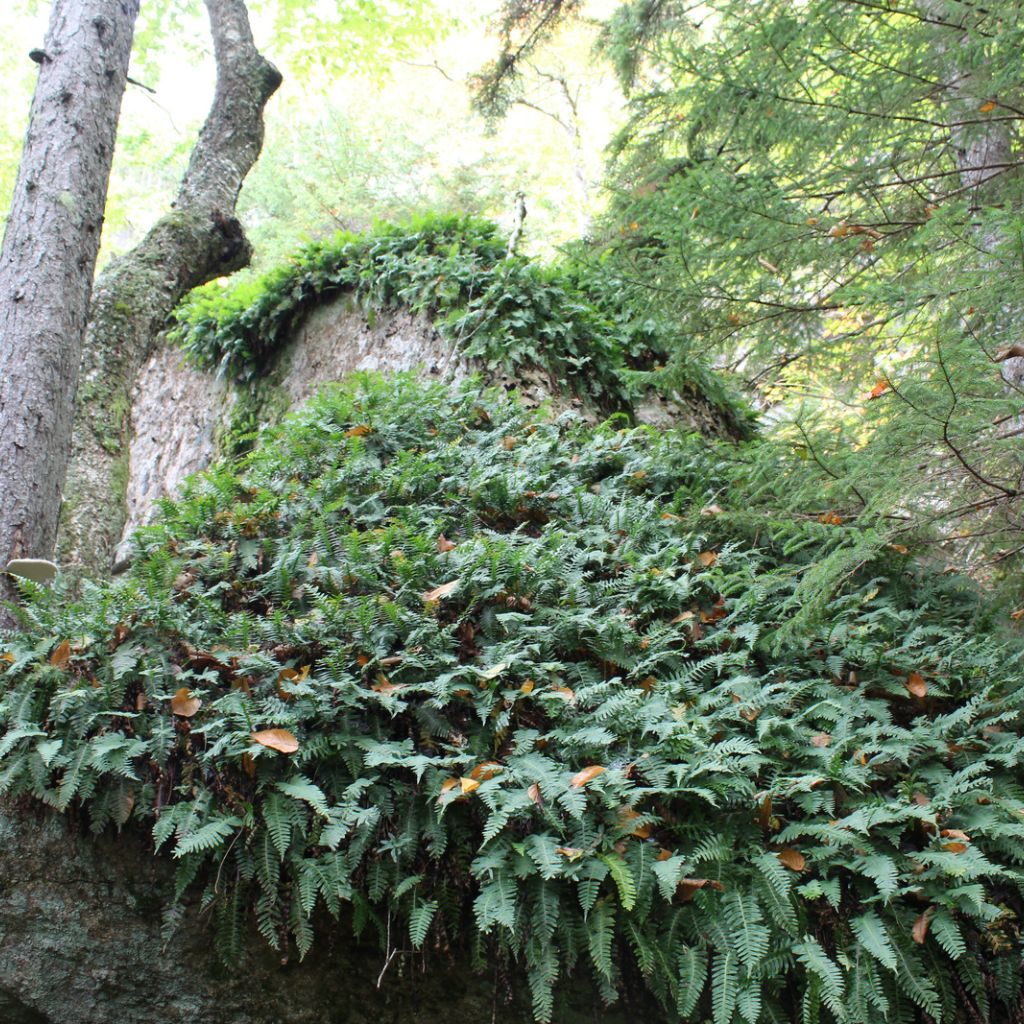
(199, 240)
(48, 259)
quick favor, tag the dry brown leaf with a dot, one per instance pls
(8, 657)
(570, 852)
(486, 770)
(663, 854)
(955, 833)
(627, 816)
(707, 559)
(688, 887)
(792, 859)
(185, 705)
(821, 739)
(249, 765)
(1016, 616)
(955, 847)
(920, 929)
(62, 655)
(444, 544)
(359, 431)
(527, 686)
(442, 591)
(534, 794)
(915, 684)
(649, 684)
(900, 549)
(830, 519)
(585, 775)
(987, 107)
(281, 740)
(565, 692)
(384, 685)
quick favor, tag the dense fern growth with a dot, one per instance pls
(437, 667)
(504, 313)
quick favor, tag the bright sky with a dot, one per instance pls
(422, 100)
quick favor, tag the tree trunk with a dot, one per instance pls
(199, 240)
(48, 259)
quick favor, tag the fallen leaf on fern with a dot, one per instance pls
(915, 684)
(359, 431)
(464, 785)
(62, 655)
(792, 859)
(920, 929)
(444, 544)
(588, 774)
(281, 740)
(438, 592)
(384, 685)
(185, 705)
(688, 887)
(570, 852)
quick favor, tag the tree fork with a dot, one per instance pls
(200, 239)
(48, 259)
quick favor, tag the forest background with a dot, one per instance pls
(823, 202)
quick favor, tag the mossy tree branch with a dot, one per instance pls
(200, 239)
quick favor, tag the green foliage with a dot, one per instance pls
(828, 195)
(456, 607)
(506, 313)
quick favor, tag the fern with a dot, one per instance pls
(598, 740)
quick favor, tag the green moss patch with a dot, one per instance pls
(506, 313)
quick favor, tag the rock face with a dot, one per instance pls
(81, 943)
(179, 414)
